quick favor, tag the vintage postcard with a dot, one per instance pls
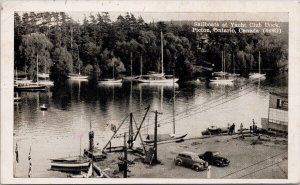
(150, 92)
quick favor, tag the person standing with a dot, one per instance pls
(208, 174)
(253, 126)
(17, 153)
(233, 129)
(241, 128)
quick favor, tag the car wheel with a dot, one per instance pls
(197, 168)
(178, 163)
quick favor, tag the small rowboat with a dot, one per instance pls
(43, 107)
(70, 164)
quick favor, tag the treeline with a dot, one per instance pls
(62, 46)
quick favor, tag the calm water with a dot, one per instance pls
(63, 129)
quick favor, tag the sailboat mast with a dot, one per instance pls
(131, 64)
(224, 61)
(259, 62)
(113, 69)
(141, 65)
(162, 53)
(78, 60)
(174, 98)
(233, 63)
(37, 67)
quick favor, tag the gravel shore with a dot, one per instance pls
(250, 157)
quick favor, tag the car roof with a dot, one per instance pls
(188, 153)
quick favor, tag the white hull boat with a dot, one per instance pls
(110, 81)
(157, 80)
(77, 76)
(257, 76)
(47, 82)
(43, 75)
(219, 80)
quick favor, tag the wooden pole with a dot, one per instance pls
(130, 138)
(155, 137)
(115, 133)
(125, 157)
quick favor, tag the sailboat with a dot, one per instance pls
(153, 77)
(113, 80)
(70, 164)
(133, 78)
(221, 73)
(45, 77)
(161, 138)
(19, 81)
(17, 98)
(233, 74)
(77, 76)
(258, 75)
(32, 86)
(45, 74)
(221, 79)
(74, 164)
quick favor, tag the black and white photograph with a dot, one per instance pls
(150, 94)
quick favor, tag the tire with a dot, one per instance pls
(197, 168)
(178, 162)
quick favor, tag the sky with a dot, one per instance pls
(168, 16)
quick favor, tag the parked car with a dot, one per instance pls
(190, 160)
(214, 158)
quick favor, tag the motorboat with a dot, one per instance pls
(213, 130)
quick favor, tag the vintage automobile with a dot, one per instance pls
(191, 160)
(214, 158)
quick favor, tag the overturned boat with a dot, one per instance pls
(164, 138)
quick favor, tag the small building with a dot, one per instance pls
(277, 114)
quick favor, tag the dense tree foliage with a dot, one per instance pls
(99, 45)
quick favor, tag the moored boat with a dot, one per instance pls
(110, 81)
(77, 76)
(258, 75)
(17, 99)
(70, 164)
(43, 107)
(153, 77)
(43, 75)
(30, 87)
(222, 80)
(156, 79)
